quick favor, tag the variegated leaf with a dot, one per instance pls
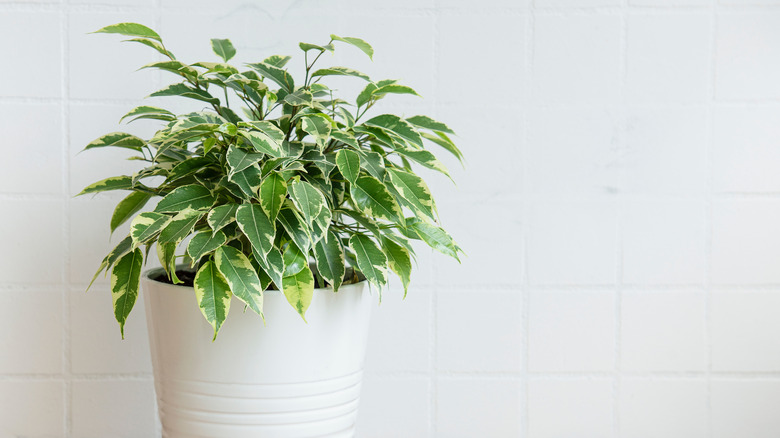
(398, 126)
(248, 180)
(192, 196)
(256, 227)
(318, 127)
(349, 164)
(130, 29)
(294, 260)
(204, 243)
(213, 295)
(413, 190)
(308, 199)
(221, 215)
(180, 226)
(273, 265)
(340, 71)
(299, 290)
(241, 276)
(276, 74)
(125, 279)
(399, 261)
(223, 48)
(117, 139)
(239, 159)
(127, 207)
(373, 199)
(428, 123)
(330, 260)
(357, 42)
(113, 183)
(294, 225)
(371, 261)
(145, 226)
(436, 238)
(273, 191)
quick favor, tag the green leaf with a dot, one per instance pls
(413, 191)
(371, 260)
(131, 30)
(273, 265)
(372, 198)
(308, 199)
(166, 253)
(428, 123)
(125, 278)
(114, 183)
(146, 110)
(330, 260)
(192, 196)
(300, 97)
(294, 260)
(373, 163)
(340, 71)
(273, 191)
(240, 276)
(444, 141)
(318, 127)
(398, 126)
(299, 290)
(188, 167)
(436, 238)
(174, 66)
(117, 139)
(223, 48)
(186, 91)
(306, 47)
(267, 140)
(127, 207)
(256, 227)
(425, 158)
(345, 138)
(276, 74)
(239, 159)
(213, 295)
(349, 164)
(293, 223)
(204, 243)
(153, 44)
(221, 215)
(366, 94)
(248, 180)
(180, 226)
(394, 89)
(399, 261)
(277, 60)
(357, 42)
(146, 225)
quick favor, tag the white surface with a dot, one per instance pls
(278, 377)
(627, 150)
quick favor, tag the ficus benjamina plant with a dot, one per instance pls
(272, 176)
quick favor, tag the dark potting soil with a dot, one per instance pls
(188, 277)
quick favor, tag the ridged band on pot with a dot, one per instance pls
(285, 379)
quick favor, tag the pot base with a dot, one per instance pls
(285, 379)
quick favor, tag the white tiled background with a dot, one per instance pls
(620, 210)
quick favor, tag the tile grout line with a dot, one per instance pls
(708, 223)
(65, 131)
(619, 222)
(525, 418)
(433, 341)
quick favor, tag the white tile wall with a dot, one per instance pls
(564, 408)
(619, 211)
(674, 408)
(571, 331)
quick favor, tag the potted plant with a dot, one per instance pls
(280, 193)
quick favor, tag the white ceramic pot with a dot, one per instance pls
(287, 379)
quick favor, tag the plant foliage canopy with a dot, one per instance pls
(261, 183)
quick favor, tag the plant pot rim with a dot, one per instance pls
(150, 273)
